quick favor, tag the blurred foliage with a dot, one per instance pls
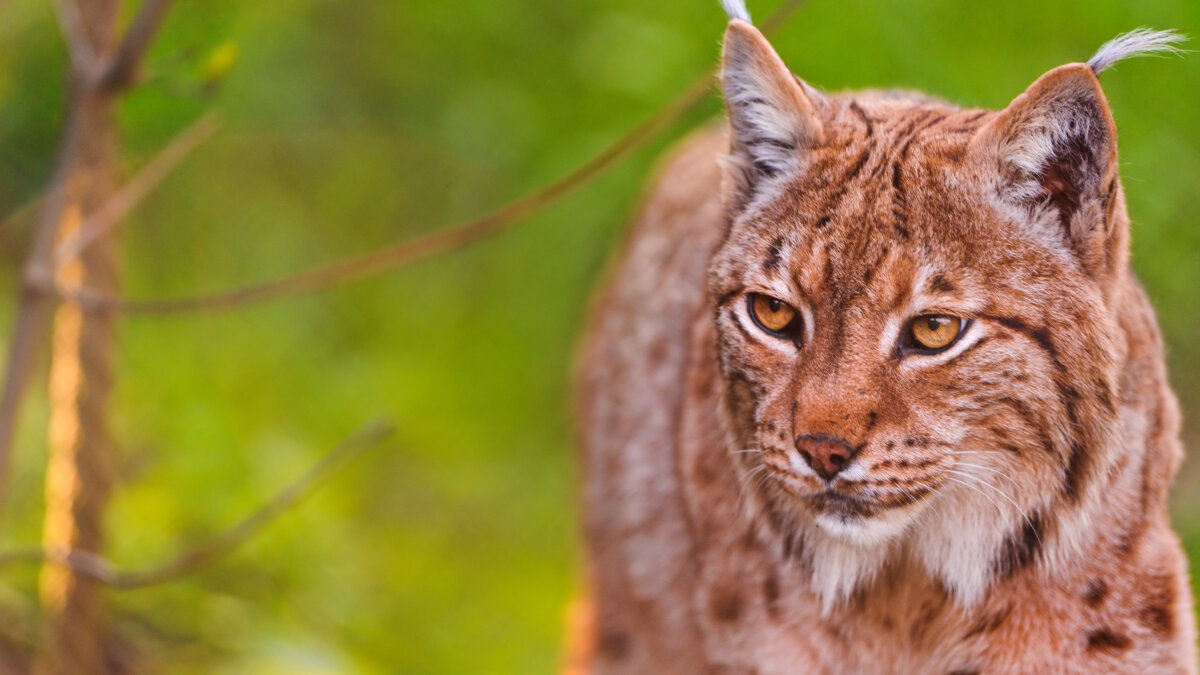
(352, 124)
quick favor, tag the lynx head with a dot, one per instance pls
(915, 309)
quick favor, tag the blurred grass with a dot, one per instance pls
(348, 125)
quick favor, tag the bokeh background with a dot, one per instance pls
(348, 125)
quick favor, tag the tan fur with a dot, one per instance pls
(1009, 495)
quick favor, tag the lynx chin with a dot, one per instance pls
(873, 389)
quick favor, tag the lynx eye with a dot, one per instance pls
(775, 316)
(934, 332)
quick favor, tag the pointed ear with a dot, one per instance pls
(771, 116)
(1056, 145)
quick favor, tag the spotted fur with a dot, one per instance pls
(1002, 505)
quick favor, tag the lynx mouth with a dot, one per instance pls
(861, 520)
(847, 507)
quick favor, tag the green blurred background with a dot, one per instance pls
(348, 125)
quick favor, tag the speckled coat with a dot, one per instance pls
(1002, 506)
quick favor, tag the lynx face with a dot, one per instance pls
(913, 316)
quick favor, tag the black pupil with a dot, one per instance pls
(774, 305)
(935, 323)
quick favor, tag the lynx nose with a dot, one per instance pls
(827, 455)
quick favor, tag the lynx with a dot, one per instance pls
(874, 390)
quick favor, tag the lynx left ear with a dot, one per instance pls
(772, 117)
(1057, 149)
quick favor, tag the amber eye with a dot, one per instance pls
(935, 331)
(775, 316)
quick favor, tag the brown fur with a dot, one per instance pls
(1006, 510)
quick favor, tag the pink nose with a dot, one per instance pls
(827, 455)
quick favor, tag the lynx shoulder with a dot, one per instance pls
(873, 389)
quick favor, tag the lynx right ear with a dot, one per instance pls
(1056, 151)
(771, 116)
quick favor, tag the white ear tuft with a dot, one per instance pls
(1137, 42)
(736, 9)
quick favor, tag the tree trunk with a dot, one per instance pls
(79, 473)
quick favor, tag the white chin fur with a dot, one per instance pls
(839, 565)
(846, 552)
(865, 532)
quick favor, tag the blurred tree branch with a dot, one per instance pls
(80, 47)
(80, 459)
(138, 188)
(24, 211)
(122, 70)
(327, 275)
(102, 571)
(78, 474)
(73, 256)
(408, 251)
(89, 103)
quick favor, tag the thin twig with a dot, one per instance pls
(136, 190)
(105, 572)
(408, 251)
(123, 69)
(781, 14)
(23, 211)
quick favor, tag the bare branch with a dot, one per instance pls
(136, 190)
(39, 286)
(412, 250)
(123, 69)
(781, 15)
(24, 210)
(79, 44)
(103, 571)
(405, 252)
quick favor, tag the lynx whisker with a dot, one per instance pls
(1000, 492)
(983, 494)
(758, 474)
(996, 472)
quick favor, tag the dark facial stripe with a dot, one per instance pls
(1031, 421)
(858, 165)
(914, 123)
(773, 142)
(725, 298)
(774, 255)
(863, 116)
(969, 125)
(1079, 461)
(900, 199)
(940, 284)
(1040, 336)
